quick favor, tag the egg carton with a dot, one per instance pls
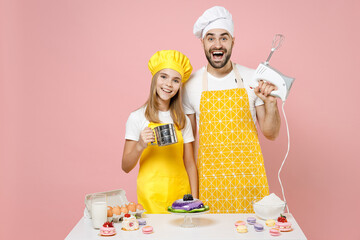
(113, 198)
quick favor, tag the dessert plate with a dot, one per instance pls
(106, 235)
(188, 223)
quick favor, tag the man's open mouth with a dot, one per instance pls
(217, 55)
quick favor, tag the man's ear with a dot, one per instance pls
(233, 41)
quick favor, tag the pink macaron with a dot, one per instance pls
(238, 223)
(147, 229)
(283, 226)
(274, 232)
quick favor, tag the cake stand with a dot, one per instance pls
(188, 223)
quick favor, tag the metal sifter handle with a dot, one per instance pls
(276, 44)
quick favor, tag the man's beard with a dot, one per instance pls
(218, 64)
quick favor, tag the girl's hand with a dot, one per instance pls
(146, 136)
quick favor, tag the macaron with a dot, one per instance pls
(238, 223)
(284, 226)
(270, 222)
(142, 221)
(241, 229)
(251, 220)
(147, 229)
(258, 227)
(274, 232)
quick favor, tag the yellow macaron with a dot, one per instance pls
(270, 222)
(241, 229)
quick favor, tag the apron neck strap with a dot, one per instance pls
(238, 78)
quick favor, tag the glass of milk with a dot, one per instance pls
(98, 210)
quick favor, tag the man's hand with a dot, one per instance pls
(267, 114)
(263, 91)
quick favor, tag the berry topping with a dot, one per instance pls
(282, 218)
(188, 197)
(127, 215)
(108, 224)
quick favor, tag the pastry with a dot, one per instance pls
(258, 227)
(147, 229)
(284, 226)
(107, 229)
(270, 222)
(142, 221)
(238, 223)
(241, 229)
(274, 232)
(130, 223)
(188, 204)
(251, 220)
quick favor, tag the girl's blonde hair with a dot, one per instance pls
(176, 108)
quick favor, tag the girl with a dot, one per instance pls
(167, 172)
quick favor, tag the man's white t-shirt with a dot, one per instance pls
(193, 89)
(137, 122)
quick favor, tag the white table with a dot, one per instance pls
(167, 226)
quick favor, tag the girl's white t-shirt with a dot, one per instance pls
(137, 122)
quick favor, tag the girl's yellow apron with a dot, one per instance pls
(162, 175)
(230, 162)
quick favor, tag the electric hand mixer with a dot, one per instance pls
(283, 83)
(269, 74)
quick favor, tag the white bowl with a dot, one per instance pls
(268, 211)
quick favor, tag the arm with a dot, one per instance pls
(133, 149)
(192, 118)
(191, 169)
(268, 115)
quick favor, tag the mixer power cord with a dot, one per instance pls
(288, 149)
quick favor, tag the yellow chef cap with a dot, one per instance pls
(170, 59)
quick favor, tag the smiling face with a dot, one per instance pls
(168, 83)
(218, 45)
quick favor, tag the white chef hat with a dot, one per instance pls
(215, 17)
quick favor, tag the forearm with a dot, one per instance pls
(191, 169)
(193, 179)
(131, 155)
(272, 121)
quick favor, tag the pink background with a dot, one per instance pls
(72, 71)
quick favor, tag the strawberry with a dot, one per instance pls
(282, 218)
(127, 215)
(108, 224)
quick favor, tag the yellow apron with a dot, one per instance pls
(162, 175)
(230, 162)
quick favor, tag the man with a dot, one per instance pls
(220, 103)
